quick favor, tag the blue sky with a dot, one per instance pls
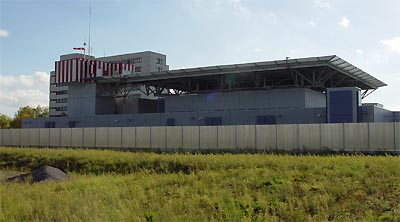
(196, 33)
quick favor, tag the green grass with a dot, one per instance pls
(121, 186)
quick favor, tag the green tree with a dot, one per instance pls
(4, 121)
(28, 112)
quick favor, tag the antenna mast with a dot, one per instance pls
(90, 13)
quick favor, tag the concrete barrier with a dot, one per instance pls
(44, 137)
(15, 137)
(246, 136)
(7, 137)
(356, 137)
(310, 137)
(158, 137)
(191, 137)
(1, 137)
(381, 136)
(266, 138)
(101, 137)
(66, 137)
(34, 137)
(332, 137)
(55, 137)
(115, 137)
(77, 137)
(89, 137)
(143, 137)
(227, 137)
(208, 137)
(397, 137)
(351, 137)
(128, 137)
(25, 137)
(287, 137)
(175, 137)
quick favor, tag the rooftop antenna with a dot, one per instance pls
(84, 50)
(90, 14)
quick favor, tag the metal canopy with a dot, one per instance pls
(317, 73)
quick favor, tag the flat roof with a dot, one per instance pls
(313, 72)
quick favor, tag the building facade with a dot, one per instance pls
(324, 89)
(143, 62)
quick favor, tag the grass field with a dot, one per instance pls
(121, 186)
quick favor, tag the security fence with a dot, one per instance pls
(313, 138)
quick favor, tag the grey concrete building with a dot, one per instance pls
(324, 89)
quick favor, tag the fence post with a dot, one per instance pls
(182, 138)
(344, 139)
(394, 136)
(255, 136)
(217, 137)
(320, 137)
(369, 138)
(298, 137)
(276, 137)
(236, 139)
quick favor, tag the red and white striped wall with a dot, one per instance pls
(84, 70)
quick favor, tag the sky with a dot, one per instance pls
(33, 34)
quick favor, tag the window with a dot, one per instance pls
(159, 69)
(61, 108)
(49, 125)
(138, 69)
(62, 92)
(135, 60)
(159, 61)
(213, 121)
(265, 120)
(71, 124)
(61, 100)
(170, 122)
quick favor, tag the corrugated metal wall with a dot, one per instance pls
(352, 137)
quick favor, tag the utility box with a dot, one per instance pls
(343, 104)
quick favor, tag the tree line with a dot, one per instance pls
(23, 112)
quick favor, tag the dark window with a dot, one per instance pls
(213, 121)
(159, 69)
(61, 108)
(49, 124)
(159, 61)
(136, 60)
(341, 106)
(71, 124)
(170, 122)
(265, 120)
(138, 69)
(61, 100)
(61, 92)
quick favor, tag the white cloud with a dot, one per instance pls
(273, 17)
(203, 7)
(311, 23)
(241, 9)
(393, 44)
(258, 50)
(345, 22)
(23, 90)
(359, 51)
(4, 33)
(321, 4)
